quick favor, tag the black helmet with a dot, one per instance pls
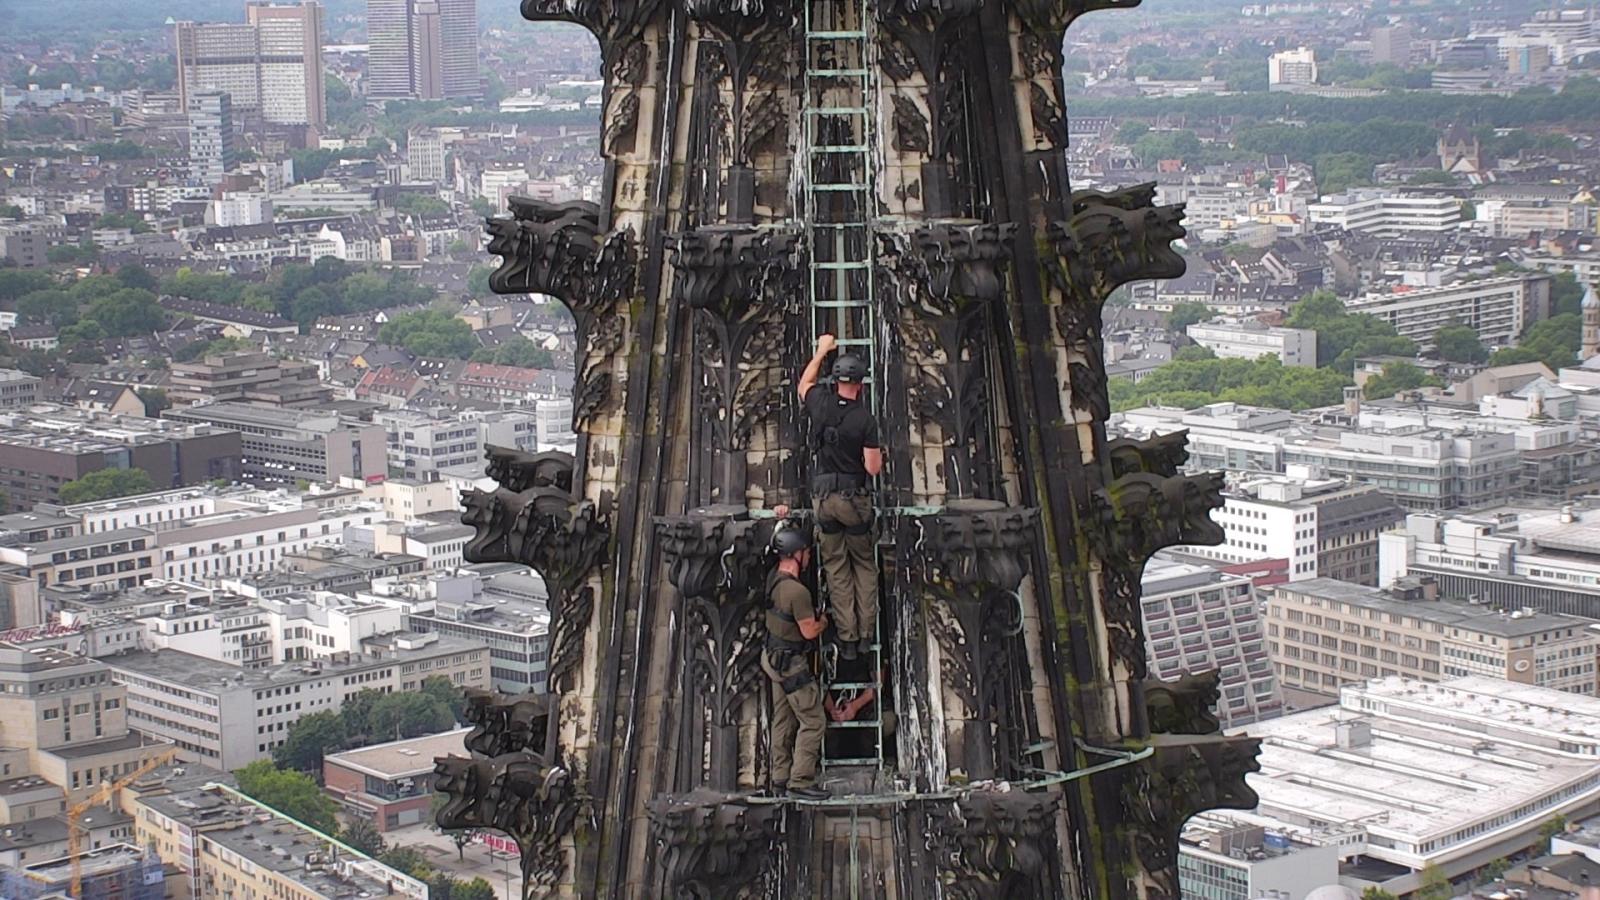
(849, 367)
(789, 541)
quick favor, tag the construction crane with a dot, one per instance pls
(105, 793)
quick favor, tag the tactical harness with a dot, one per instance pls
(784, 651)
(825, 433)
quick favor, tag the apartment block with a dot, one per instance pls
(1324, 634)
(1250, 339)
(124, 557)
(270, 66)
(1387, 214)
(1198, 619)
(420, 443)
(1499, 309)
(211, 151)
(247, 376)
(227, 716)
(18, 389)
(505, 608)
(283, 446)
(220, 843)
(48, 446)
(64, 722)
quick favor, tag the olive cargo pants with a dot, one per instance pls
(850, 562)
(797, 723)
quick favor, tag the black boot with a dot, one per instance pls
(814, 792)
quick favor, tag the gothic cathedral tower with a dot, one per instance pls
(892, 172)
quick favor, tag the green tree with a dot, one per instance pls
(357, 713)
(447, 692)
(1342, 338)
(105, 484)
(127, 312)
(1185, 314)
(1435, 886)
(364, 836)
(409, 715)
(136, 276)
(406, 859)
(1566, 295)
(1459, 343)
(430, 333)
(294, 794)
(1377, 893)
(155, 400)
(1194, 353)
(15, 283)
(1396, 378)
(1493, 869)
(519, 351)
(1556, 824)
(476, 889)
(308, 739)
(1554, 342)
(478, 281)
(425, 205)
(5, 502)
(55, 307)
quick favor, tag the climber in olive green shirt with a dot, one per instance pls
(792, 625)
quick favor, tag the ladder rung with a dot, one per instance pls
(837, 111)
(854, 724)
(859, 226)
(830, 35)
(850, 264)
(835, 73)
(855, 342)
(848, 186)
(853, 761)
(852, 685)
(840, 148)
(841, 304)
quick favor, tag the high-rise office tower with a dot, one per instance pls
(388, 49)
(422, 49)
(270, 66)
(210, 134)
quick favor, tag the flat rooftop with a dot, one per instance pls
(1455, 613)
(402, 759)
(1442, 759)
(214, 675)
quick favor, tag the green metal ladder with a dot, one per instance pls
(839, 178)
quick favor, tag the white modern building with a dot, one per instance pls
(211, 154)
(1292, 67)
(505, 608)
(1545, 559)
(1229, 856)
(1386, 213)
(227, 716)
(1322, 526)
(1452, 775)
(1199, 619)
(1251, 339)
(1498, 309)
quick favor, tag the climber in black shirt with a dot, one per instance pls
(845, 456)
